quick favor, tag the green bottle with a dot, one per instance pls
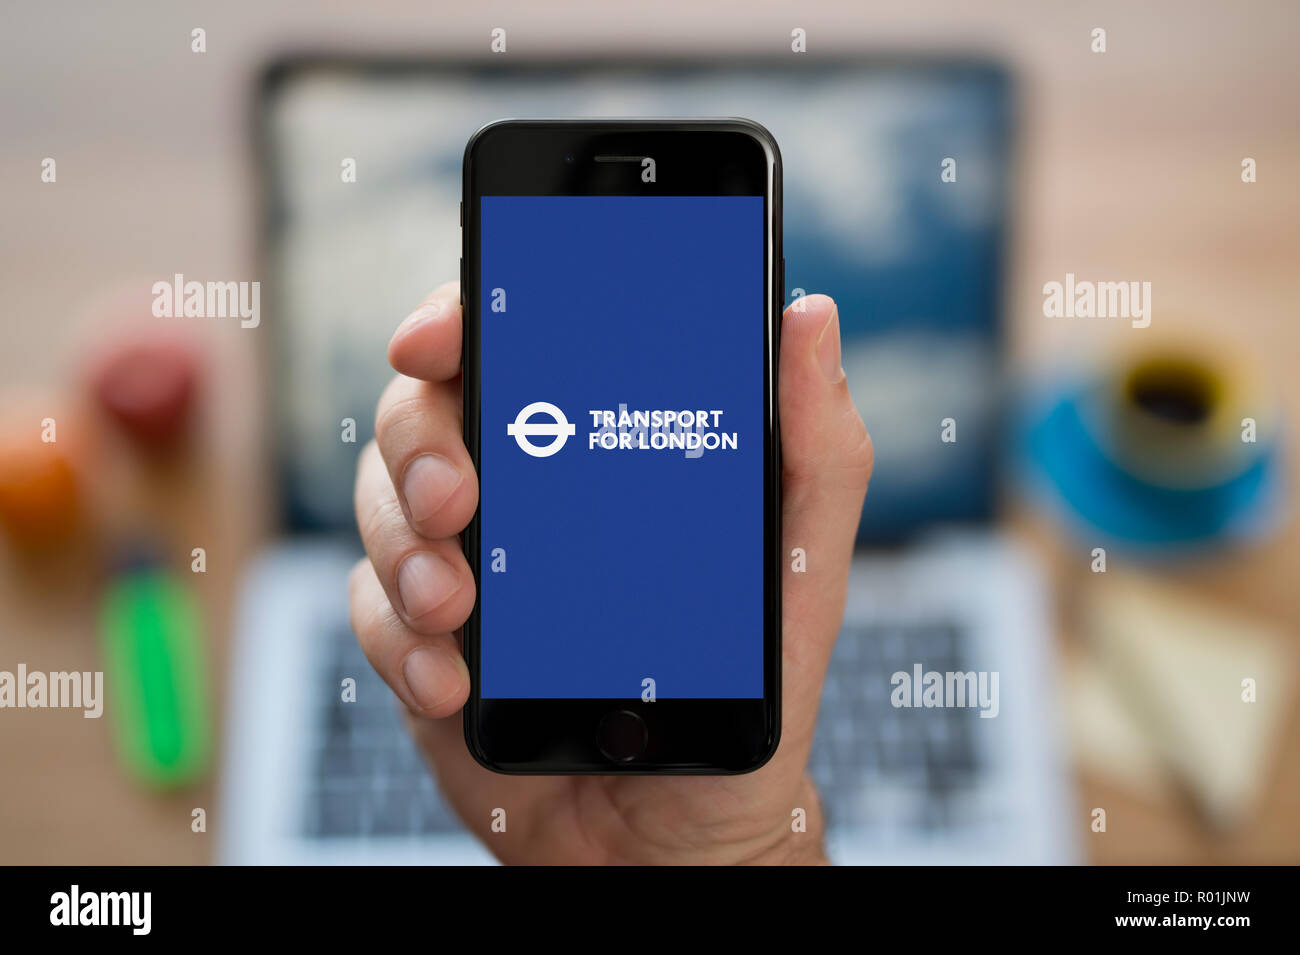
(155, 676)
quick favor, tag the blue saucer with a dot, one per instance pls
(1108, 500)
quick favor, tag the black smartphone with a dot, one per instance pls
(622, 283)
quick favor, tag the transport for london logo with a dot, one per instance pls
(690, 430)
(558, 428)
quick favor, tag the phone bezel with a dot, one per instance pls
(693, 157)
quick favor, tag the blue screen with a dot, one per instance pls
(627, 544)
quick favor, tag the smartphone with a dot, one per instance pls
(622, 284)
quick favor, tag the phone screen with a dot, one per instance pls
(622, 369)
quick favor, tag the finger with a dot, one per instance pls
(826, 464)
(428, 582)
(426, 672)
(417, 429)
(427, 343)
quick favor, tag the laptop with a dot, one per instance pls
(915, 263)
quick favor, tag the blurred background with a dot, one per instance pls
(1100, 511)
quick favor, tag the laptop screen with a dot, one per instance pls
(895, 204)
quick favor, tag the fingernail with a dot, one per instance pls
(424, 313)
(828, 348)
(431, 675)
(424, 582)
(429, 480)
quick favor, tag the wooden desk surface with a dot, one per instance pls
(1129, 168)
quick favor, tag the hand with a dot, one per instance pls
(416, 491)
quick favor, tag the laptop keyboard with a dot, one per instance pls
(877, 767)
(369, 778)
(882, 768)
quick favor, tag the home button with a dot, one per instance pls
(621, 735)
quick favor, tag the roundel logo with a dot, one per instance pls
(558, 428)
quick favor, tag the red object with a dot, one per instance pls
(148, 388)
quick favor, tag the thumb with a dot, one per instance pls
(826, 464)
